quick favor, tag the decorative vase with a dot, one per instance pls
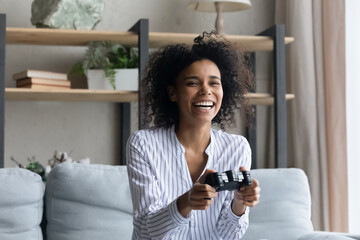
(125, 79)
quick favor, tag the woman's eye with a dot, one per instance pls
(191, 83)
(215, 83)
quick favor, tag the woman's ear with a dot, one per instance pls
(171, 93)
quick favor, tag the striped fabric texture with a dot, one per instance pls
(158, 175)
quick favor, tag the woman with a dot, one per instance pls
(188, 88)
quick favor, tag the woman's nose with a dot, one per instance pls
(205, 90)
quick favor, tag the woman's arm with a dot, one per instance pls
(246, 196)
(230, 225)
(234, 215)
(152, 216)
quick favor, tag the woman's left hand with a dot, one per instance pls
(246, 196)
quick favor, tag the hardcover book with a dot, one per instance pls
(42, 81)
(40, 74)
(44, 87)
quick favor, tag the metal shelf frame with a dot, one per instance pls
(277, 32)
(2, 87)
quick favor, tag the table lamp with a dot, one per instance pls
(219, 6)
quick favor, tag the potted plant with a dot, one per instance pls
(109, 65)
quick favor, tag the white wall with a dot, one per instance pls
(90, 129)
(352, 111)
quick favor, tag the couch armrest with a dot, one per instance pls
(21, 204)
(320, 235)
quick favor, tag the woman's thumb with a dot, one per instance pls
(207, 171)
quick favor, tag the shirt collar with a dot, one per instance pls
(180, 147)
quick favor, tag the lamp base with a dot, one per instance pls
(219, 22)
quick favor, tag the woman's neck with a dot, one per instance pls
(194, 138)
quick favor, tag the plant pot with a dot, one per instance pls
(125, 79)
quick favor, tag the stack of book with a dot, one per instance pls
(42, 80)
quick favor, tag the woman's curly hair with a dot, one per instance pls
(166, 64)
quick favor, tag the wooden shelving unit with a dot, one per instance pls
(38, 36)
(137, 36)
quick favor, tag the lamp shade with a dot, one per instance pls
(227, 6)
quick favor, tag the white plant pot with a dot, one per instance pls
(125, 79)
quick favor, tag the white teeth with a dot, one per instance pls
(204, 104)
(205, 108)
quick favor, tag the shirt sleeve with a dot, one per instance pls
(229, 225)
(152, 216)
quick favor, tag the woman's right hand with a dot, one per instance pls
(199, 197)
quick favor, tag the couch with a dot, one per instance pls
(92, 202)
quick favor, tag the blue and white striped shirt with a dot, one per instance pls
(158, 175)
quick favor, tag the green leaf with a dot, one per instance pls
(108, 56)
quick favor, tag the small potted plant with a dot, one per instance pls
(109, 65)
(33, 166)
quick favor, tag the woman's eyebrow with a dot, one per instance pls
(191, 77)
(214, 77)
(196, 77)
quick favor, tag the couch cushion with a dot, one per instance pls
(21, 204)
(88, 202)
(284, 211)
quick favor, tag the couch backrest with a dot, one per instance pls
(21, 204)
(89, 202)
(284, 211)
(94, 202)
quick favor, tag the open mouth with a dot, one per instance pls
(204, 105)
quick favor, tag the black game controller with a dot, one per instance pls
(229, 180)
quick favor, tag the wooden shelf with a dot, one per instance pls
(72, 95)
(245, 43)
(67, 37)
(86, 95)
(264, 98)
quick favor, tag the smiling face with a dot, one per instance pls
(198, 93)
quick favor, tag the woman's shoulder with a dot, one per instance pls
(150, 134)
(151, 131)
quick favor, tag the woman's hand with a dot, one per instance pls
(246, 196)
(199, 197)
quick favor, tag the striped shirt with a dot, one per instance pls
(158, 175)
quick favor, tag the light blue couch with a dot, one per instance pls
(92, 202)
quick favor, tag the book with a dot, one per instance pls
(42, 81)
(44, 87)
(40, 74)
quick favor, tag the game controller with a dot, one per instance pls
(229, 180)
